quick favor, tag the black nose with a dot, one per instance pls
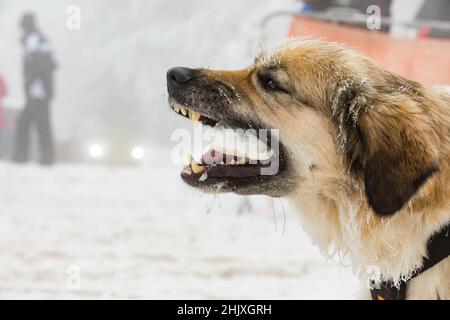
(180, 75)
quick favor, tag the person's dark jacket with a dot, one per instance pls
(39, 64)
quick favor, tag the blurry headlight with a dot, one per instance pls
(137, 153)
(95, 151)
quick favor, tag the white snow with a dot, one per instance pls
(140, 233)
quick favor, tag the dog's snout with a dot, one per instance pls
(180, 75)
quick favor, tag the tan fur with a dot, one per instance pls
(400, 119)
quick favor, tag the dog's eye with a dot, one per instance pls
(268, 83)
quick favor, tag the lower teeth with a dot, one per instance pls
(203, 177)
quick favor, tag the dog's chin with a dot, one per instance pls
(231, 173)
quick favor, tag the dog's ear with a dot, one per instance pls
(399, 153)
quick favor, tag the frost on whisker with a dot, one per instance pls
(236, 93)
(224, 94)
(269, 58)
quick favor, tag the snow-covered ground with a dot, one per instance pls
(140, 233)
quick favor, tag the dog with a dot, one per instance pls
(363, 154)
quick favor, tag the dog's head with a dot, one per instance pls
(338, 115)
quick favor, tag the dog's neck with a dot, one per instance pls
(340, 222)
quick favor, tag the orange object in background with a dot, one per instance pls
(425, 60)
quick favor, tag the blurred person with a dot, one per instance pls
(360, 6)
(400, 11)
(435, 10)
(3, 121)
(38, 68)
(402, 15)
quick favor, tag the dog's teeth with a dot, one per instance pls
(196, 168)
(187, 170)
(203, 177)
(195, 116)
(184, 111)
(176, 109)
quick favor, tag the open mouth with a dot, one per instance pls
(233, 157)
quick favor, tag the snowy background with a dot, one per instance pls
(91, 231)
(116, 63)
(141, 234)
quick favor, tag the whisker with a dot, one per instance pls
(284, 218)
(274, 215)
(210, 204)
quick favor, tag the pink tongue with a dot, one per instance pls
(210, 156)
(214, 157)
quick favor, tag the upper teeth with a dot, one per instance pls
(245, 146)
(196, 167)
(194, 116)
(238, 143)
